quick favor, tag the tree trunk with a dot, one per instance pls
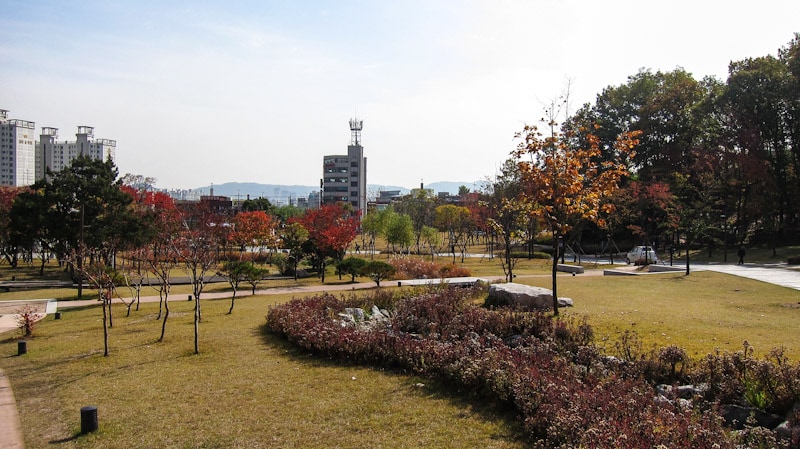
(196, 324)
(687, 255)
(160, 301)
(164, 321)
(105, 327)
(107, 301)
(556, 250)
(233, 298)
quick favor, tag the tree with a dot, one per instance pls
(757, 101)
(235, 271)
(105, 280)
(88, 214)
(456, 222)
(253, 275)
(508, 217)
(661, 105)
(29, 224)
(399, 231)
(430, 237)
(258, 204)
(563, 183)
(420, 206)
(254, 228)
(648, 209)
(198, 249)
(294, 235)
(331, 229)
(159, 254)
(378, 270)
(373, 225)
(7, 197)
(352, 266)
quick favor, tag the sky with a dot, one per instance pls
(208, 92)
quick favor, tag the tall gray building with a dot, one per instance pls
(344, 178)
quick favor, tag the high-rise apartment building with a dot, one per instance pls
(17, 151)
(344, 178)
(24, 161)
(54, 156)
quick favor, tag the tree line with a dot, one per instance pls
(109, 232)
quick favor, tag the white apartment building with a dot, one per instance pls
(17, 151)
(55, 156)
(344, 176)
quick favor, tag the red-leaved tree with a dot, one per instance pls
(331, 229)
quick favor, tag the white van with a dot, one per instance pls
(641, 255)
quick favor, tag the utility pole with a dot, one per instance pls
(80, 256)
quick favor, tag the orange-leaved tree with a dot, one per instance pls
(566, 179)
(254, 229)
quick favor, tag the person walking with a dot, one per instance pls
(740, 253)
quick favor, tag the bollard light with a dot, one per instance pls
(88, 419)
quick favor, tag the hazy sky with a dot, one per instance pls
(200, 92)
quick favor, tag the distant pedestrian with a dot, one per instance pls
(740, 253)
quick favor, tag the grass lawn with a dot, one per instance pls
(245, 389)
(701, 313)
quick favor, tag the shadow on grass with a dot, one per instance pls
(66, 440)
(470, 402)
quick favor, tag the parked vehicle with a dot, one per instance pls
(641, 255)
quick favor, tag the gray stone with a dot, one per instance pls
(736, 417)
(377, 314)
(356, 312)
(524, 297)
(565, 302)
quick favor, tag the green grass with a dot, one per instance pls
(702, 312)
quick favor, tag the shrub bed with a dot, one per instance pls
(547, 369)
(415, 268)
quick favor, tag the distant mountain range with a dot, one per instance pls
(280, 194)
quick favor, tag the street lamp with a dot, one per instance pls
(724, 239)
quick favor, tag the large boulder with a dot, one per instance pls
(523, 297)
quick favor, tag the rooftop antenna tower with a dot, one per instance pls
(355, 131)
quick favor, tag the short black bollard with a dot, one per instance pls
(22, 347)
(57, 316)
(88, 419)
(190, 298)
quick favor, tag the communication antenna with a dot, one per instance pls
(355, 131)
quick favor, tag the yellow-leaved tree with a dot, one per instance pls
(566, 177)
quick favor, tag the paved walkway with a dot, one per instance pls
(10, 426)
(778, 274)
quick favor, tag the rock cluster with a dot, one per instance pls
(524, 297)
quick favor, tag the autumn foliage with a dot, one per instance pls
(546, 369)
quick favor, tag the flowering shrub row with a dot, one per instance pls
(546, 368)
(417, 268)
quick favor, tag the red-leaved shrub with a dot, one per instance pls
(546, 368)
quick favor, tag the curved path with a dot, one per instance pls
(778, 274)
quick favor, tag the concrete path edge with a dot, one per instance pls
(10, 425)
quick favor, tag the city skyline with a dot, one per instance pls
(260, 91)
